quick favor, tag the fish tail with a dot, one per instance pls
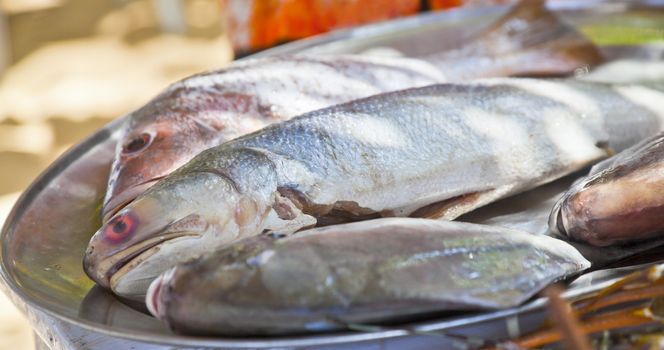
(530, 40)
(548, 45)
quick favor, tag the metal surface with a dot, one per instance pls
(45, 235)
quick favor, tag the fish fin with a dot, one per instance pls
(275, 224)
(547, 44)
(451, 208)
(346, 211)
(326, 214)
(531, 40)
(648, 149)
(286, 217)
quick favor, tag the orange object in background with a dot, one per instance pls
(259, 24)
(443, 4)
(446, 4)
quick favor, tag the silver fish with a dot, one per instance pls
(370, 271)
(620, 201)
(208, 109)
(436, 151)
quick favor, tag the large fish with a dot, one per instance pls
(363, 272)
(208, 109)
(205, 110)
(620, 201)
(437, 151)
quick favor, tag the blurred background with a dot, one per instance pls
(68, 67)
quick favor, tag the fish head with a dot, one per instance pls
(175, 296)
(168, 132)
(618, 203)
(176, 220)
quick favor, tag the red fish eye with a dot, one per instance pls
(121, 228)
(139, 143)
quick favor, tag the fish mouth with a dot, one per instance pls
(153, 296)
(135, 255)
(119, 201)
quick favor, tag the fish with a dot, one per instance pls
(208, 109)
(529, 40)
(530, 211)
(436, 152)
(364, 272)
(620, 201)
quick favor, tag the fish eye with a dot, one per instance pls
(121, 228)
(137, 144)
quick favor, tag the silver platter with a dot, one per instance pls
(45, 235)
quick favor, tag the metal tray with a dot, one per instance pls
(46, 233)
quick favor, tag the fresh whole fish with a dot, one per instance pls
(529, 212)
(207, 109)
(363, 272)
(437, 151)
(620, 201)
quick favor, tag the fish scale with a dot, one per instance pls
(437, 151)
(303, 283)
(419, 142)
(208, 109)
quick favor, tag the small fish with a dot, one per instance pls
(365, 272)
(437, 152)
(620, 201)
(208, 109)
